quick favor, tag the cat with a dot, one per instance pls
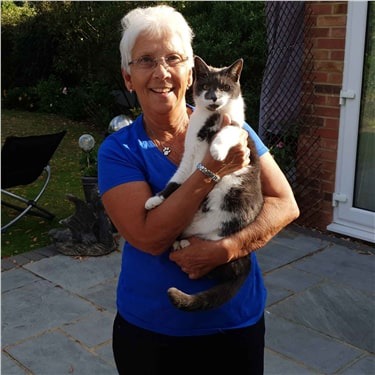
(236, 199)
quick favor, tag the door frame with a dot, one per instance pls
(347, 219)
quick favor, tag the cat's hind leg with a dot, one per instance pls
(180, 244)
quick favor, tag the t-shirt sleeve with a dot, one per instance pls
(116, 165)
(260, 146)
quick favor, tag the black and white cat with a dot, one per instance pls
(236, 199)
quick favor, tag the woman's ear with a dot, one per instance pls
(127, 80)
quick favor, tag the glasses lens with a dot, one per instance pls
(145, 62)
(173, 60)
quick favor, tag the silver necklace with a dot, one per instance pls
(166, 150)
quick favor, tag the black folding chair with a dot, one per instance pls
(23, 161)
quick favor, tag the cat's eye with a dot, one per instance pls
(226, 88)
(205, 86)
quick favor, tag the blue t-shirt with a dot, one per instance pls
(130, 155)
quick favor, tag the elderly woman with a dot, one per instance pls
(151, 336)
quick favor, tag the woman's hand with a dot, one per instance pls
(200, 257)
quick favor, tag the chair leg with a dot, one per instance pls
(31, 205)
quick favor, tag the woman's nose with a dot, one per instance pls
(161, 70)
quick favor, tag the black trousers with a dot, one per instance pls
(141, 352)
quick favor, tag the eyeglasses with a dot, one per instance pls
(148, 62)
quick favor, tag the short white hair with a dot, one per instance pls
(156, 21)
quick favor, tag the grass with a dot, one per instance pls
(31, 232)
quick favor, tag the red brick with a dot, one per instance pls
(338, 32)
(328, 143)
(328, 154)
(321, 8)
(327, 186)
(331, 123)
(335, 20)
(322, 54)
(328, 133)
(330, 43)
(340, 8)
(337, 55)
(329, 66)
(320, 100)
(320, 32)
(320, 77)
(335, 78)
(332, 100)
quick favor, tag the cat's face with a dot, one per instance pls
(215, 87)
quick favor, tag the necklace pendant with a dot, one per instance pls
(166, 151)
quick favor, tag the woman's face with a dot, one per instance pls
(160, 89)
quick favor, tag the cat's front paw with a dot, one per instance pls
(180, 244)
(153, 202)
(218, 152)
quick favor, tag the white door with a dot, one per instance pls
(354, 196)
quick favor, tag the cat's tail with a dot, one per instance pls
(208, 299)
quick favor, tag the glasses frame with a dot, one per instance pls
(157, 61)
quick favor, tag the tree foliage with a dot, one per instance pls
(77, 42)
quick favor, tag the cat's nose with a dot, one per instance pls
(212, 97)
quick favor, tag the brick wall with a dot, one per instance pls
(328, 44)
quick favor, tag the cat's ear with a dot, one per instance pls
(200, 67)
(235, 69)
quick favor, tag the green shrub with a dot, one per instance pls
(24, 98)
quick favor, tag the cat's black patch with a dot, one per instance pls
(205, 207)
(169, 189)
(209, 129)
(232, 201)
(231, 226)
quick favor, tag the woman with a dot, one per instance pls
(150, 335)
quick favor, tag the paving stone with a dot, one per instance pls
(19, 260)
(274, 364)
(49, 308)
(36, 307)
(300, 241)
(277, 254)
(93, 330)
(7, 264)
(307, 346)
(292, 279)
(105, 352)
(77, 274)
(33, 256)
(54, 353)
(103, 295)
(342, 265)
(48, 251)
(344, 313)
(364, 366)
(275, 293)
(10, 366)
(16, 278)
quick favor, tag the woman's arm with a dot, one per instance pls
(279, 210)
(155, 231)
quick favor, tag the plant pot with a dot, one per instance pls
(90, 188)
